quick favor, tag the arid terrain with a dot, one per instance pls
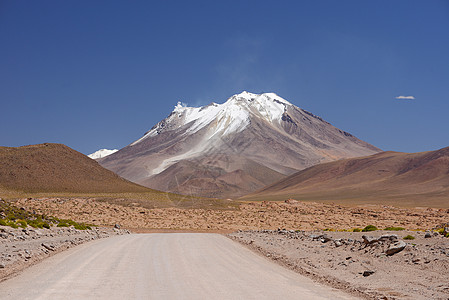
(51, 168)
(291, 214)
(55, 170)
(22, 247)
(366, 267)
(389, 178)
(318, 239)
(313, 239)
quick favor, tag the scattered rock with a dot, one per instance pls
(117, 226)
(325, 238)
(48, 246)
(391, 237)
(428, 235)
(368, 273)
(395, 248)
(369, 239)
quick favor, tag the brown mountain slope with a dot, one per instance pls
(49, 168)
(405, 179)
(218, 176)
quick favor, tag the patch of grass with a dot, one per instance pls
(356, 230)
(18, 217)
(22, 223)
(394, 228)
(409, 237)
(369, 228)
(12, 224)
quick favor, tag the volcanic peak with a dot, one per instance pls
(230, 117)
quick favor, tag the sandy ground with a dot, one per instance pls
(417, 272)
(21, 248)
(291, 214)
(341, 259)
(163, 266)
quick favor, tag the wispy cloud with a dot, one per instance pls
(405, 97)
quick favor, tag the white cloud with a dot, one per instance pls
(405, 97)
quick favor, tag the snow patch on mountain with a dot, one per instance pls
(102, 153)
(222, 119)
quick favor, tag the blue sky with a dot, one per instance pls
(98, 74)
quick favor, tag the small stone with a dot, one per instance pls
(117, 226)
(368, 273)
(325, 238)
(2, 266)
(337, 243)
(47, 246)
(428, 235)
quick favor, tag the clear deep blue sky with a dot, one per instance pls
(98, 74)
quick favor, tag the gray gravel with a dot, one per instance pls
(162, 266)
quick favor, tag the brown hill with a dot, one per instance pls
(50, 168)
(405, 179)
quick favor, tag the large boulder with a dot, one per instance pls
(396, 247)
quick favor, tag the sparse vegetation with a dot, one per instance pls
(443, 232)
(22, 223)
(409, 237)
(369, 228)
(394, 228)
(15, 217)
(356, 230)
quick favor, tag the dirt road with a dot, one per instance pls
(162, 266)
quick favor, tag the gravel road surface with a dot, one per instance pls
(162, 266)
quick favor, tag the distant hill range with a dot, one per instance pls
(405, 179)
(231, 149)
(50, 168)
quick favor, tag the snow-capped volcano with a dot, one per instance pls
(229, 149)
(102, 153)
(230, 117)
